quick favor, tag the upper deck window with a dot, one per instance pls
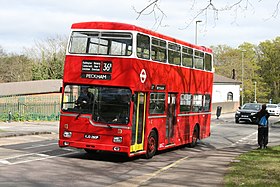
(198, 60)
(174, 54)
(208, 62)
(101, 43)
(158, 50)
(187, 57)
(143, 46)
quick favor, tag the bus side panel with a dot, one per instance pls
(205, 125)
(183, 129)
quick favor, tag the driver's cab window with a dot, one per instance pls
(106, 104)
(78, 98)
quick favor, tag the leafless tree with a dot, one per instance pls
(153, 9)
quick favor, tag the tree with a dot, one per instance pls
(225, 61)
(269, 58)
(15, 68)
(228, 62)
(203, 9)
(48, 58)
(2, 53)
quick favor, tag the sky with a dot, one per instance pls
(23, 22)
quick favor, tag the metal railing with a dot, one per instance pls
(30, 108)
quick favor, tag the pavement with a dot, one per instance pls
(12, 129)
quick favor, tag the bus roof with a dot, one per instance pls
(124, 26)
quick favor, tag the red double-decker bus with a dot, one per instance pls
(131, 90)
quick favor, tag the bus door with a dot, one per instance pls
(138, 122)
(171, 117)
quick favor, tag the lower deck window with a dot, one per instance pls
(185, 102)
(157, 103)
(197, 103)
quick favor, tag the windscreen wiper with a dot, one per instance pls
(79, 114)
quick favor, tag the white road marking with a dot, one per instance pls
(246, 139)
(3, 161)
(40, 155)
(40, 145)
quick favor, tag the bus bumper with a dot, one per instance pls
(94, 146)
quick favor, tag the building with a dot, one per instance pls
(226, 93)
(39, 87)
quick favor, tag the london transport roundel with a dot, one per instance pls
(143, 76)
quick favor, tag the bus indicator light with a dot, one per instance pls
(119, 131)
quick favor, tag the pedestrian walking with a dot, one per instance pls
(262, 117)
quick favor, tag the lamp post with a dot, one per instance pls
(242, 76)
(196, 22)
(255, 92)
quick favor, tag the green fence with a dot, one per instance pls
(30, 108)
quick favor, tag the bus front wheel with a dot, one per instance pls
(151, 145)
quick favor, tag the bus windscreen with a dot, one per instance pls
(106, 104)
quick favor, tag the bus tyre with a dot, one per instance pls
(151, 145)
(195, 137)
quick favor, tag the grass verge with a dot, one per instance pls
(259, 167)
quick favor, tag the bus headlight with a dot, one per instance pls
(67, 134)
(117, 139)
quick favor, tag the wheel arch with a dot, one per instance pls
(157, 134)
(198, 128)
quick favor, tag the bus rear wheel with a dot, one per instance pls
(151, 145)
(195, 137)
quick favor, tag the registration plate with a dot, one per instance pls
(89, 136)
(244, 116)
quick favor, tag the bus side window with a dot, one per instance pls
(158, 51)
(206, 102)
(208, 62)
(185, 103)
(197, 103)
(143, 46)
(157, 103)
(174, 54)
(187, 57)
(198, 60)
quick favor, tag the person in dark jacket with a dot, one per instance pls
(85, 100)
(262, 129)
